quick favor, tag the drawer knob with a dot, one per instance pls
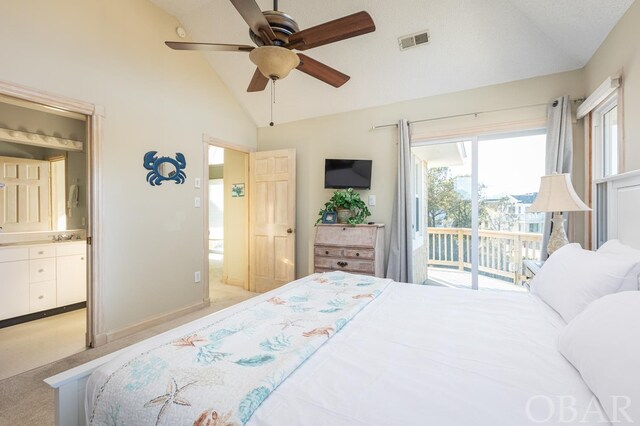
(40, 252)
(41, 297)
(342, 264)
(40, 270)
(82, 258)
(326, 252)
(357, 254)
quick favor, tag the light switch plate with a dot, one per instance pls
(196, 182)
(372, 200)
(196, 202)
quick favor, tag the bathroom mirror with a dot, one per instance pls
(43, 168)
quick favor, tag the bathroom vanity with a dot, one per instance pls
(40, 279)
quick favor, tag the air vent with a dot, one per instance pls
(413, 40)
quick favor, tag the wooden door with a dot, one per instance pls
(272, 207)
(24, 199)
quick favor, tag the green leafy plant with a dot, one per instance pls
(346, 199)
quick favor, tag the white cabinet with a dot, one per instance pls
(14, 288)
(71, 279)
(35, 278)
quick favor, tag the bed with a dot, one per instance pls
(389, 353)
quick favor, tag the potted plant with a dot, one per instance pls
(348, 205)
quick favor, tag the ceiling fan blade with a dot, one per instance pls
(332, 31)
(186, 45)
(321, 71)
(258, 82)
(251, 13)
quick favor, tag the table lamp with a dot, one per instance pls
(557, 195)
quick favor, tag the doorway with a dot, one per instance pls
(227, 231)
(46, 145)
(479, 189)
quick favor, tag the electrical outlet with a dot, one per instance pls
(372, 200)
(196, 202)
(196, 277)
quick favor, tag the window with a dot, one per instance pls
(417, 172)
(606, 138)
(606, 121)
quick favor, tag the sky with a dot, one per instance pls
(508, 166)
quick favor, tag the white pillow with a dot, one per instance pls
(616, 248)
(603, 344)
(571, 278)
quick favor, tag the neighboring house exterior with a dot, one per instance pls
(510, 213)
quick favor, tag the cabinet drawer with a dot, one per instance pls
(347, 265)
(328, 251)
(359, 254)
(42, 296)
(12, 254)
(41, 252)
(42, 270)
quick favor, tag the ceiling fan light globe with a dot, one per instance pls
(274, 62)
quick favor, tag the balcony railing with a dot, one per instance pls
(501, 253)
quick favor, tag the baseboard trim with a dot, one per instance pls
(42, 314)
(127, 331)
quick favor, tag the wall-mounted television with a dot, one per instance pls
(347, 174)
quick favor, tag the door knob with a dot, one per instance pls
(289, 231)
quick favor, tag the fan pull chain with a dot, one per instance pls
(273, 99)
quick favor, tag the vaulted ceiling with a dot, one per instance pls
(473, 44)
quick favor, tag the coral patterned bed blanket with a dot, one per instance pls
(220, 373)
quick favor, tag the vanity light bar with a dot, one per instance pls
(36, 139)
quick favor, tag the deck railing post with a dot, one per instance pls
(460, 249)
(518, 259)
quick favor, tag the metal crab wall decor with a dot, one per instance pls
(165, 168)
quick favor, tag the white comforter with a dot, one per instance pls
(420, 355)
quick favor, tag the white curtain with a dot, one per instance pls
(400, 266)
(559, 158)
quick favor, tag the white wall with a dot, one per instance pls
(349, 135)
(235, 271)
(111, 53)
(619, 54)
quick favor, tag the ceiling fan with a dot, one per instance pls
(276, 34)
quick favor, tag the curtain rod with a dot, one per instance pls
(445, 117)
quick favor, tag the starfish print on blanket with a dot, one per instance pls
(168, 399)
(189, 341)
(319, 332)
(290, 323)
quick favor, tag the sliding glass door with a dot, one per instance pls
(475, 205)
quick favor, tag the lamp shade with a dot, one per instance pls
(274, 62)
(556, 194)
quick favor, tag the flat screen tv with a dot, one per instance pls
(347, 174)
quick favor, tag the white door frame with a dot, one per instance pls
(208, 141)
(95, 117)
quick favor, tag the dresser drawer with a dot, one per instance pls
(347, 265)
(360, 254)
(354, 236)
(328, 251)
(42, 270)
(42, 296)
(41, 252)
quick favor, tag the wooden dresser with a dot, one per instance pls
(358, 249)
